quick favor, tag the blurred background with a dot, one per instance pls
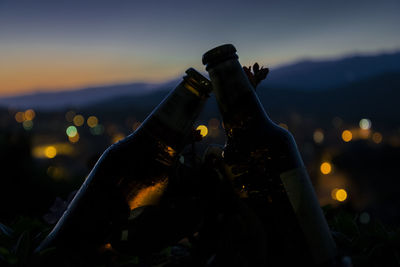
(77, 76)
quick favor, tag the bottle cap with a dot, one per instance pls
(219, 54)
(198, 81)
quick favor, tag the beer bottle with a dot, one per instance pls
(130, 174)
(267, 170)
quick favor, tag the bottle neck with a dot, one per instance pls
(171, 121)
(236, 97)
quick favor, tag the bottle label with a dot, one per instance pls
(309, 214)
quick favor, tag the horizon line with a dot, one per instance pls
(155, 85)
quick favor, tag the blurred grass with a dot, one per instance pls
(367, 244)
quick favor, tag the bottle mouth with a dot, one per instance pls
(198, 81)
(219, 54)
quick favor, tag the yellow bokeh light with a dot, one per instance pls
(92, 121)
(347, 136)
(203, 130)
(63, 148)
(29, 114)
(79, 120)
(20, 117)
(74, 139)
(339, 194)
(50, 152)
(326, 168)
(377, 138)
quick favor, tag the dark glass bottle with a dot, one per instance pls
(130, 174)
(267, 170)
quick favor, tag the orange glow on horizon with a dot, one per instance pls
(50, 68)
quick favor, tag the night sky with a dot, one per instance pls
(54, 44)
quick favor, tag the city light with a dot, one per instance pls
(347, 136)
(29, 114)
(377, 137)
(318, 136)
(365, 124)
(79, 120)
(28, 125)
(20, 116)
(71, 131)
(326, 168)
(339, 194)
(74, 139)
(50, 152)
(203, 130)
(92, 121)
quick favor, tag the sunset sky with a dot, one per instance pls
(55, 45)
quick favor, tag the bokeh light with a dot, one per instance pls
(377, 137)
(326, 168)
(71, 131)
(29, 114)
(79, 120)
(28, 125)
(347, 136)
(20, 116)
(203, 130)
(74, 139)
(50, 152)
(318, 136)
(92, 121)
(341, 195)
(365, 124)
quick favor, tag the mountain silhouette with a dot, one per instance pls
(329, 74)
(305, 75)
